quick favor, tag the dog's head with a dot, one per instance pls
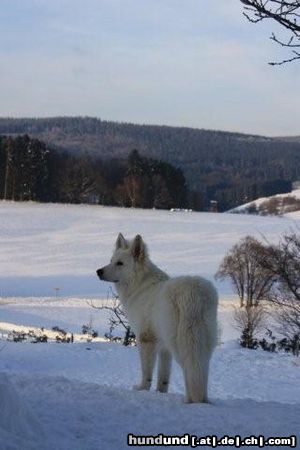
(127, 259)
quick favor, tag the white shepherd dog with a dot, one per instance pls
(170, 316)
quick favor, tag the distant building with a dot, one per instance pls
(213, 206)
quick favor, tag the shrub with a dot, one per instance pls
(249, 320)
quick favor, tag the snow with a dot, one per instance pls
(46, 246)
(16, 419)
(66, 313)
(79, 396)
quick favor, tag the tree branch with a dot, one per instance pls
(285, 13)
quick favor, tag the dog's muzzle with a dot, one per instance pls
(100, 273)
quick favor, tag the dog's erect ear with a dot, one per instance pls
(139, 249)
(121, 242)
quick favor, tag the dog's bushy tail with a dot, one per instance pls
(196, 335)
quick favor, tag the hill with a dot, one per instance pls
(230, 167)
(289, 138)
(275, 205)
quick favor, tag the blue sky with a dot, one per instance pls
(146, 61)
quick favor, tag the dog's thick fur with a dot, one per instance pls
(170, 316)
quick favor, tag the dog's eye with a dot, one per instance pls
(119, 263)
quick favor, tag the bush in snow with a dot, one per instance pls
(287, 345)
(266, 272)
(62, 336)
(290, 345)
(32, 336)
(282, 261)
(17, 336)
(87, 329)
(64, 339)
(40, 336)
(59, 330)
(117, 318)
(249, 320)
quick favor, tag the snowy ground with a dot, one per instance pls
(79, 396)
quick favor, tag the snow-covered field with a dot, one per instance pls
(44, 247)
(79, 396)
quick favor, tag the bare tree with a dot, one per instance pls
(241, 265)
(284, 13)
(249, 321)
(283, 261)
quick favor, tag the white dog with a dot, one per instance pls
(170, 316)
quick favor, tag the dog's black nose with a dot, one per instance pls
(100, 273)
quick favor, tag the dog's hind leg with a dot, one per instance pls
(197, 380)
(192, 358)
(148, 356)
(205, 369)
(194, 383)
(164, 370)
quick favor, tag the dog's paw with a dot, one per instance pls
(187, 400)
(140, 387)
(162, 387)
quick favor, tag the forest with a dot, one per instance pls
(230, 168)
(31, 171)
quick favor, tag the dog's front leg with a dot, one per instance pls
(147, 354)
